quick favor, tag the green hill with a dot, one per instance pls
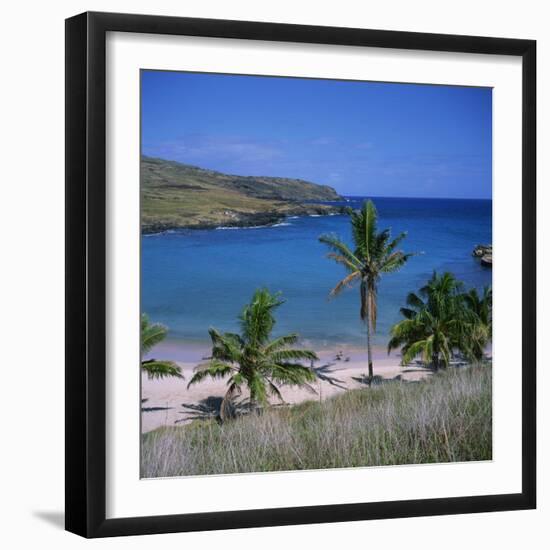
(175, 195)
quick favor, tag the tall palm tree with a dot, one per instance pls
(252, 359)
(436, 323)
(151, 335)
(373, 254)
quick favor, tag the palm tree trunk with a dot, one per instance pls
(253, 407)
(435, 361)
(369, 346)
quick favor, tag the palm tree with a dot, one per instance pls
(373, 254)
(252, 359)
(151, 335)
(436, 323)
(480, 309)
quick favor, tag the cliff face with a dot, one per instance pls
(175, 195)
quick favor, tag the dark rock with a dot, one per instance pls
(248, 219)
(482, 250)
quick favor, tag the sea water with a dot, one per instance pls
(195, 279)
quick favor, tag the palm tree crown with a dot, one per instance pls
(441, 319)
(151, 335)
(252, 359)
(373, 254)
(480, 310)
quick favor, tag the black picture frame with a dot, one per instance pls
(86, 279)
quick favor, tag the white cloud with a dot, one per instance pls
(203, 148)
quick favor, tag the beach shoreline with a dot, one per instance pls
(168, 402)
(190, 350)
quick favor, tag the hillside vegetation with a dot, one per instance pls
(175, 195)
(446, 418)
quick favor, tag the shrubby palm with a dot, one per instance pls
(440, 320)
(151, 335)
(480, 309)
(252, 359)
(373, 254)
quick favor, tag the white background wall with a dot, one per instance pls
(32, 256)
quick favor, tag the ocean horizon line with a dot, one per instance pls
(374, 197)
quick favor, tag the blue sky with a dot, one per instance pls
(362, 138)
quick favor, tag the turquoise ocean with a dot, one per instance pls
(194, 279)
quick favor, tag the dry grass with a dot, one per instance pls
(446, 418)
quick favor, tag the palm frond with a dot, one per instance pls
(257, 319)
(405, 331)
(274, 390)
(395, 261)
(381, 242)
(345, 283)
(421, 347)
(160, 369)
(392, 245)
(281, 342)
(407, 312)
(293, 374)
(293, 355)
(342, 260)
(415, 301)
(341, 249)
(363, 225)
(226, 346)
(213, 369)
(151, 334)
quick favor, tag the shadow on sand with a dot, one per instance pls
(152, 409)
(209, 408)
(324, 374)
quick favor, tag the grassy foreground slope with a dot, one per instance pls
(445, 418)
(175, 195)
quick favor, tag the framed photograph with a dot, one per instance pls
(300, 274)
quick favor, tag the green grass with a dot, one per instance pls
(446, 418)
(178, 195)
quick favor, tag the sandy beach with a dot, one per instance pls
(169, 402)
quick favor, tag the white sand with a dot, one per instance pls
(168, 402)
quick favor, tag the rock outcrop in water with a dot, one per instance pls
(485, 254)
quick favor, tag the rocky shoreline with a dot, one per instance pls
(176, 196)
(235, 219)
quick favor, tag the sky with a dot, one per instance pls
(362, 138)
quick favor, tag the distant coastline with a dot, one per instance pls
(179, 196)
